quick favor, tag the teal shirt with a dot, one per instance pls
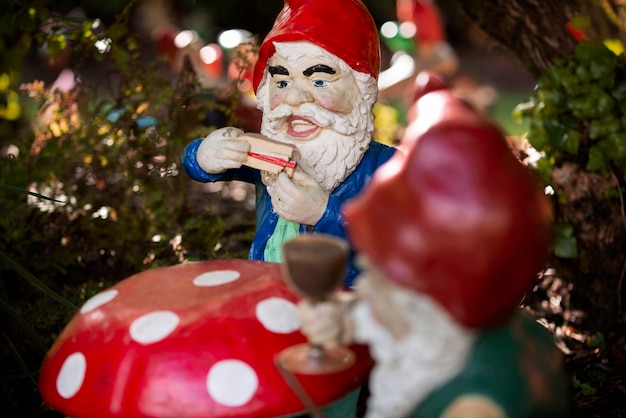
(518, 367)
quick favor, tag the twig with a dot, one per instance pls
(621, 277)
(621, 198)
(295, 386)
(619, 288)
(610, 12)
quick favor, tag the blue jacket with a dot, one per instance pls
(331, 223)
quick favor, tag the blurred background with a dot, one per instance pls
(208, 32)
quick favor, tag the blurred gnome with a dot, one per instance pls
(466, 229)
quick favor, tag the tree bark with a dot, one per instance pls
(534, 30)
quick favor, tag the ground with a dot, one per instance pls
(595, 363)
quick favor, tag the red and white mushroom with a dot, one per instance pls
(192, 340)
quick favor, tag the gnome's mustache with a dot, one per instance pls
(277, 119)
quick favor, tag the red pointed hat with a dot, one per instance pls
(344, 28)
(463, 221)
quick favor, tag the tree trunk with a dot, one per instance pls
(534, 30)
(600, 229)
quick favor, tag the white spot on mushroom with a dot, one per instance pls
(278, 315)
(153, 327)
(232, 382)
(216, 278)
(99, 300)
(71, 375)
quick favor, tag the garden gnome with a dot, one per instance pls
(315, 82)
(465, 228)
(432, 51)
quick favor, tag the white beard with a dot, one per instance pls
(435, 349)
(331, 157)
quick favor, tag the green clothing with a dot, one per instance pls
(283, 232)
(518, 367)
(345, 407)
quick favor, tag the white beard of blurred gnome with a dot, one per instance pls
(315, 82)
(451, 238)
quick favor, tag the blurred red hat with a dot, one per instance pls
(344, 28)
(458, 218)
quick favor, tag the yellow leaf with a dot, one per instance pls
(5, 80)
(63, 125)
(13, 111)
(55, 129)
(615, 45)
(143, 106)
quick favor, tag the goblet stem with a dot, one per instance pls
(316, 353)
(307, 359)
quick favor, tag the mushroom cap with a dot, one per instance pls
(191, 340)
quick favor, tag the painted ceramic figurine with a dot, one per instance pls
(431, 50)
(315, 82)
(465, 229)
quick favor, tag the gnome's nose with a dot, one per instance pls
(297, 95)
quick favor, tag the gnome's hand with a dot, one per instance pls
(474, 406)
(327, 323)
(298, 199)
(221, 150)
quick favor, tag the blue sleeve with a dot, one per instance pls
(189, 161)
(332, 220)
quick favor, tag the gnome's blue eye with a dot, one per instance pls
(320, 83)
(282, 84)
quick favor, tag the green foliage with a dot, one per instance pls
(579, 109)
(91, 189)
(585, 388)
(577, 112)
(597, 340)
(565, 241)
(36, 283)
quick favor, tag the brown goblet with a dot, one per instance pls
(315, 265)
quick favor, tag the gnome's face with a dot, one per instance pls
(310, 80)
(312, 99)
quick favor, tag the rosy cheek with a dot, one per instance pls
(334, 104)
(276, 100)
